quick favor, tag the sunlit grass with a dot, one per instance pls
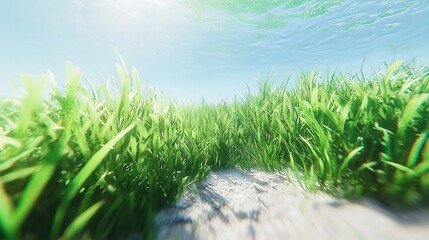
(101, 161)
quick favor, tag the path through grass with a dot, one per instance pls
(101, 161)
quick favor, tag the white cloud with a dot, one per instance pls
(79, 3)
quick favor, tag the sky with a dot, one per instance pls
(213, 53)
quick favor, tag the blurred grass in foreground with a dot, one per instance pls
(100, 161)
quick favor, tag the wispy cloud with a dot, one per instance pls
(121, 8)
(79, 3)
(157, 2)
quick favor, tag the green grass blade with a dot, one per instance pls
(19, 174)
(81, 177)
(411, 111)
(82, 143)
(36, 185)
(401, 167)
(6, 213)
(423, 167)
(31, 103)
(392, 68)
(347, 160)
(312, 148)
(10, 162)
(417, 148)
(81, 221)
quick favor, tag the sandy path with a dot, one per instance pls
(236, 204)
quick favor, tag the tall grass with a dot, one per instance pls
(99, 161)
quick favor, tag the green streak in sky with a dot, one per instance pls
(267, 14)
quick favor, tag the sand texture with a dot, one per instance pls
(237, 204)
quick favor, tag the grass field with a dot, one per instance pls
(100, 161)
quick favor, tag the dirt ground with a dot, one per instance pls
(237, 204)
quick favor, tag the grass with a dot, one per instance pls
(99, 161)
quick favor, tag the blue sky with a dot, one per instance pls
(214, 58)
